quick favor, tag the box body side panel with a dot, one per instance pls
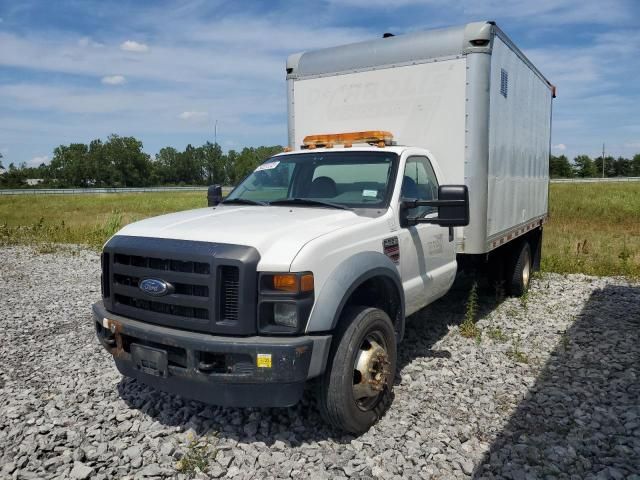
(519, 142)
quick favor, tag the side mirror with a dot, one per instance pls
(214, 195)
(456, 213)
(452, 205)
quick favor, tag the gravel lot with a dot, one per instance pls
(550, 389)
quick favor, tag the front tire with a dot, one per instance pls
(356, 388)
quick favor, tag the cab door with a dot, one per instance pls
(427, 259)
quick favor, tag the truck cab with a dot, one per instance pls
(240, 303)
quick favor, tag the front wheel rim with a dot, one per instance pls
(371, 371)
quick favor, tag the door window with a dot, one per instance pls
(419, 182)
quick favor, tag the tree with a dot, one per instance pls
(622, 167)
(249, 158)
(191, 165)
(131, 166)
(68, 167)
(635, 165)
(609, 167)
(214, 164)
(102, 170)
(13, 177)
(559, 167)
(230, 167)
(584, 166)
(166, 166)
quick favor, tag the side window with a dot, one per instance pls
(419, 182)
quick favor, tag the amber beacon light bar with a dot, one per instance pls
(372, 137)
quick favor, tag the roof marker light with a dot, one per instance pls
(373, 137)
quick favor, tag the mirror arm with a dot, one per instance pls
(413, 203)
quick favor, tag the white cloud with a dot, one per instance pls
(133, 46)
(193, 116)
(553, 12)
(153, 103)
(113, 80)
(196, 61)
(560, 147)
(35, 161)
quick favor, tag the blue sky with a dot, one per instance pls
(164, 71)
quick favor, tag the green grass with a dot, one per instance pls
(515, 353)
(594, 228)
(199, 452)
(468, 327)
(85, 219)
(496, 334)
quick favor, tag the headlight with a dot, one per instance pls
(285, 301)
(285, 314)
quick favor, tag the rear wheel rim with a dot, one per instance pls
(371, 371)
(526, 268)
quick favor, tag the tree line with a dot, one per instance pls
(121, 162)
(584, 166)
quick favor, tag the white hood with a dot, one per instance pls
(278, 233)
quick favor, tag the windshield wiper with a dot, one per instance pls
(243, 201)
(308, 201)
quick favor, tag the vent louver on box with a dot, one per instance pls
(504, 82)
(229, 285)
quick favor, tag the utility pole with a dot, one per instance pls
(215, 133)
(603, 160)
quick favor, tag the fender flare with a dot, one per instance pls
(344, 280)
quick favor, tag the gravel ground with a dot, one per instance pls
(549, 389)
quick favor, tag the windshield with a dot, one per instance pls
(349, 179)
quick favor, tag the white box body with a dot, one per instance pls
(483, 111)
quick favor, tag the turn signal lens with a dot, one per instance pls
(289, 282)
(306, 282)
(285, 282)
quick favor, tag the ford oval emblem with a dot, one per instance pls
(155, 287)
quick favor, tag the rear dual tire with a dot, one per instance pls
(511, 268)
(519, 272)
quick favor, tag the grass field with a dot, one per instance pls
(593, 228)
(86, 219)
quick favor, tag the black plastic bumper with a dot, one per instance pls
(228, 371)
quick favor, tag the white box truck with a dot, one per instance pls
(409, 157)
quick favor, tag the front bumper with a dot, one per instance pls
(228, 371)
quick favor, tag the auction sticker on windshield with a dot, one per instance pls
(268, 166)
